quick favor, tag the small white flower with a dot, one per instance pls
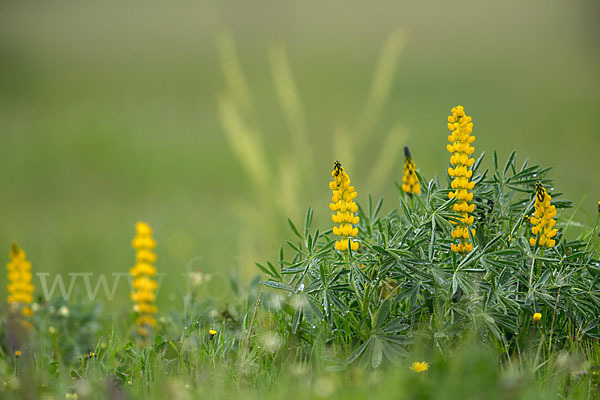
(271, 342)
(64, 311)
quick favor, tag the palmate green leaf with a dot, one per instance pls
(293, 246)
(308, 220)
(396, 325)
(272, 272)
(495, 158)
(382, 314)
(278, 285)
(432, 241)
(510, 164)
(357, 352)
(294, 229)
(477, 162)
(296, 321)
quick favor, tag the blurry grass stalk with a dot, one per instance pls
(342, 145)
(240, 123)
(381, 85)
(245, 143)
(291, 105)
(390, 152)
(232, 69)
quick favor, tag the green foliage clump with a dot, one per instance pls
(404, 285)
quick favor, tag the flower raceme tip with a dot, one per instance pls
(342, 203)
(410, 182)
(543, 221)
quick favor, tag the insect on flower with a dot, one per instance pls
(410, 182)
(342, 201)
(543, 221)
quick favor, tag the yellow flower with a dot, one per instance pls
(18, 353)
(460, 146)
(410, 182)
(419, 366)
(20, 288)
(144, 286)
(342, 202)
(543, 219)
(537, 317)
(212, 333)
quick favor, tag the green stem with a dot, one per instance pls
(539, 271)
(593, 233)
(531, 271)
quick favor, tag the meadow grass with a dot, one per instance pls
(437, 298)
(219, 178)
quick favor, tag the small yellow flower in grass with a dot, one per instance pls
(537, 317)
(410, 182)
(460, 146)
(212, 333)
(144, 286)
(599, 206)
(20, 288)
(18, 353)
(543, 219)
(342, 201)
(419, 366)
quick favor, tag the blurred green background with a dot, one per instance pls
(112, 113)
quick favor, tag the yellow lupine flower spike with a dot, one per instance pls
(342, 203)
(410, 182)
(460, 146)
(144, 286)
(20, 288)
(543, 219)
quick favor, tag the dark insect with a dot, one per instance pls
(484, 210)
(539, 191)
(337, 167)
(458, 294)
